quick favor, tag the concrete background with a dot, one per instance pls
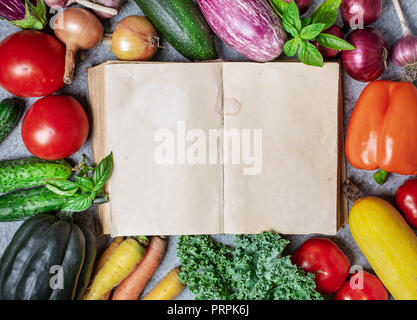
(388, 24)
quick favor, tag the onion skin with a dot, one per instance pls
(303, 5)
(369, 60)
(353, 9)
(404, 51)
(251, 27)
(135, 39)
(326, 52)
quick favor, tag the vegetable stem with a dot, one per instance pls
(104, 198)
(69, 65)
(381, 177)
(98, 7)
(400, 13)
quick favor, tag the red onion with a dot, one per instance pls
(302, 5)
(369, 60)
(326, 52)
(108, 11)
(360, 13)
(115, 4)
(404, 52)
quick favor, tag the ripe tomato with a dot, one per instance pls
(406, 199)
(32, 64)
(323, 258)
(370, 289)
(55, 127)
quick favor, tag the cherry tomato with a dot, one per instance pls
(406, 199)
(55, 127)
(323, 258)
(32, 64)
(370, 289)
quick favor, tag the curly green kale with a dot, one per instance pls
(253, 270)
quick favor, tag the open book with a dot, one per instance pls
(220, 147)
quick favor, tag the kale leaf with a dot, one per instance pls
(253, 270)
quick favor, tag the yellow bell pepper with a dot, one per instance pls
(388, 243)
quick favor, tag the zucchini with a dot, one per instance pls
(183, 25)
(388, 243)
(26, 173)
(10, 112)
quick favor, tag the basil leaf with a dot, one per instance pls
(78, 203)
(85, 184)
(332, 42)
(62, 187)
(103, 172)
(279, 6)
(291, 47)
(327, 17)
(328, 5)
(312, 31)
(305, 22)
(291, 19)
(310, 55)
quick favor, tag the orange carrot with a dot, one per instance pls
(133, 285)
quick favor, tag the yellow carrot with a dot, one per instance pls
(105, 256)
(168, 288)
(122, 262)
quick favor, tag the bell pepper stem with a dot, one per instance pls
(381, 176)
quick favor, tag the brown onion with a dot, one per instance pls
(360, 13)
(135, 38)
(79, 29)
(369, 60)
(404, 52)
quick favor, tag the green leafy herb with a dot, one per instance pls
(330, 41)
(309, 29)
(89, 182)
(254, 270)
(279, 6)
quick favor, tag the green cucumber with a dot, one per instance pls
(24, 204)
(31, 172)
(183, 25)
(10, 112)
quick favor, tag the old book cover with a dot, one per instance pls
(220, 147)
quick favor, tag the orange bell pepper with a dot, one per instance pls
(382, 131)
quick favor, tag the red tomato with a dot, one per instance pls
(372, 288)
(406, 199)
(55, 127)
(32, 64)
(323, 258)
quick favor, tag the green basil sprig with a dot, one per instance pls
(87, 189)
(304, 31)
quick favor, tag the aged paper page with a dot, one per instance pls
(296, 107)
(146, 104)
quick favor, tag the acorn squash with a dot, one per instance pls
(47, 259)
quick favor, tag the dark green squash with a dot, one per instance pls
(42, 242)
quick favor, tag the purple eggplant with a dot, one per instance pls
(26, 14)
(251, 27)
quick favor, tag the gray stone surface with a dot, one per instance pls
(388, 24)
